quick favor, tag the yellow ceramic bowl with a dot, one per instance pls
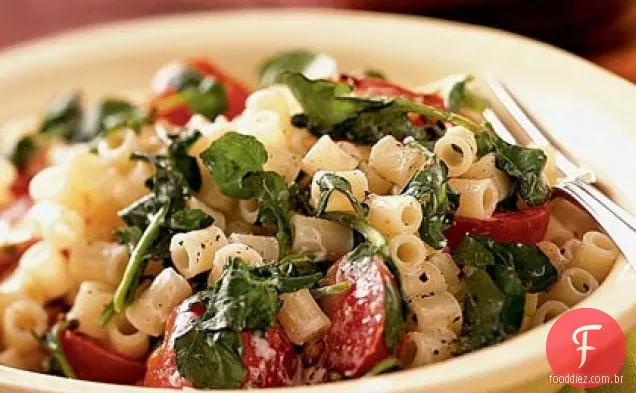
(589, 110)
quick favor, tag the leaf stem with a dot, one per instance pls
(135, 262)
(360, 225)
(329, 290)
(440, 114)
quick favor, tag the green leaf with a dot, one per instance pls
(63, 115)
(272, 68)
(241, 301)
(202, 94)
(523, 164)
(190, 220)
(331, 290)
(108, 115)
(211, 360)
(383, 366)
(509, 283)
(52, 342)
(483, 306)
(230, 159)
(394, 319)
(374, 73)
(329, 183)
(430, 187)
(458, 96)
(533, 267)
(26, 148)
(471, 252)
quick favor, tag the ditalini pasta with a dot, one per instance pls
(322, 227)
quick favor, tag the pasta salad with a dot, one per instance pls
(324, 226)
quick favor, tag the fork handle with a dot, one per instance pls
(616, 221)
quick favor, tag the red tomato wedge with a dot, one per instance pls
(92, 362)
(526, 226)
(376, 87)
(236, 92)
(269, 357)
(355, 340)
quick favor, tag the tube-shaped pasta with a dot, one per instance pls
(116, 148)
(457, 148)
(219, 218)
(485, 168)
(547, 311)
(266, 246)
(236, 250)
(425, 347)
(300, 141)
(440, 310)
(30, 361)
(266, 126)
(326, 155)
(451, 272)
(422, 280)
(48, 268)
(574, 285)
(148, 313)
(98, 261)
(596, 254)
(316, 235)
(125, 339)
(57, 224)
(569, 249)
(8, 174)
(283, 162)
(91, 300)
(248, 210)
(529, 310)
(557, 233)
(276, 98)
(395, 161)
(359, 152)
(210, 194)
(395, 214)
(337, 201)
(82, 167)
(22, 319)
(572, 217)
(53, 183)
(477, 198)
(193, 252)
(553, 252)
(407, 250)
(301, 317)
(131, 186)
(377, 184)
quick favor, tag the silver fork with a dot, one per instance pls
(619, 224)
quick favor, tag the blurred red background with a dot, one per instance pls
(602, 30)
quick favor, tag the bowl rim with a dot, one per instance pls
(506, 359)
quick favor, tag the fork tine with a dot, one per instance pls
(532, 130)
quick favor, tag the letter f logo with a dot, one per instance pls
(583, 344)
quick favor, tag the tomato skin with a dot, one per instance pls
(92, 362)
(376, 87)
(526, 226)
(237, 93)
(263, 369)
(355, 340)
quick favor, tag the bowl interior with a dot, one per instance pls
(589, 110)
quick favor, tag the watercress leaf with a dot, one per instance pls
(272, 68)
(533, 267)
(208, 99)
(185, 164)
(273, 199)
(329, 183)
(394, 319)
(137, 214)
(185, 78)
(374, 73)
(509, 283)
(523, 164)
(26, 148)
(129, 235)
(230, 159)
(242, 300)
(483, 305)
(189, 220)
(108, 115)
(63, 115)
(211, 359)
(52, 342)
(430, 187)
(472, 252)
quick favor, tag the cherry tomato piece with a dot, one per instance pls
(526, 226)
(92, 362)
(355, 340)
(376, 87)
